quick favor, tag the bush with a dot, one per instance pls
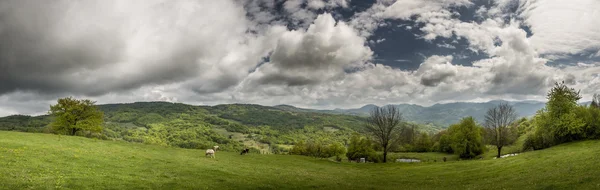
(466, 138)
(375, 157)
(423, 143)
(360, 147)
(276, 149)
(318, 149)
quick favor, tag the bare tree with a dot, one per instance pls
(384, 125)
(596, 101)
(497, 121)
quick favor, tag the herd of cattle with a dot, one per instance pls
(211, 152)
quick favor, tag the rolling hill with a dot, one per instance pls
(260, 127)
(45, 161)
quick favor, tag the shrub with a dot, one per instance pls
(318, 149)
(445, 144)
(466, 140)
(359, 147)
(423, 143)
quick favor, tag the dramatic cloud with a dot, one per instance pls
(436, 69)
(95, 47)
(563, 26)
(308, 53)
(323, 52)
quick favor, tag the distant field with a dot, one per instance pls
(42, 161)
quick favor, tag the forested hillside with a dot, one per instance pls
(231, 126)
(236, 125)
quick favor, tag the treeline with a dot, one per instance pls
(25, 123)
(563, 120)
(185, 126)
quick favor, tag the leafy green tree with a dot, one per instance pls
(336, 149)
(359, 147)
(591, 117)
(423, 143)
(562, 124)
(72, 115)
(445, 144)
(466, 138)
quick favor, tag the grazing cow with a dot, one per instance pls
(210, 152)
(245, 151)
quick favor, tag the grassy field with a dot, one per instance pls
(42, 161)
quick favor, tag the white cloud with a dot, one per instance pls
(436, 69)
(302, 12)
(563, 27)
(201, 52)
(449, 46)
(367, 21)
(404, 9)
(321, 4)
(320, 53)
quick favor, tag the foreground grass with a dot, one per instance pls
(42, 161)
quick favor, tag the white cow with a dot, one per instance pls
(210, 152)
(215, 148)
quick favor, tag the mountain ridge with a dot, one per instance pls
(440, 114)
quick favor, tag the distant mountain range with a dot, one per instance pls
(439, 114)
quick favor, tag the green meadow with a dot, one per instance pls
(46, 161)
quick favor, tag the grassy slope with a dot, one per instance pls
(41, 161)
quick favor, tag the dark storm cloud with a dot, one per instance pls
(32, 56)
(91, 48)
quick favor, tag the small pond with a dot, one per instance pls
(407, 160)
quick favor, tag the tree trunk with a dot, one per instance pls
(499, 151)
(384, 154)
(73, 131)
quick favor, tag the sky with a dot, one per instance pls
(307, 53)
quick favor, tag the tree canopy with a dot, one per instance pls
(465, 137)
(72, 115)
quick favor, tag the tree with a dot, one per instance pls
(423, 143)
(383, 125)
(595, 101)
(562, 100)
(563, 124)
(497, 121)
(445, 143)
(71, 116)
(359, 147)
(466, 138)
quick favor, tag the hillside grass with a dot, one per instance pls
(42, 161)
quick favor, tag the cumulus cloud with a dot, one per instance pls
(270, 52)
(404, 9)
(436, 69)
(323, 52)
(95, 47)
(563, 27)
(302, 12)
